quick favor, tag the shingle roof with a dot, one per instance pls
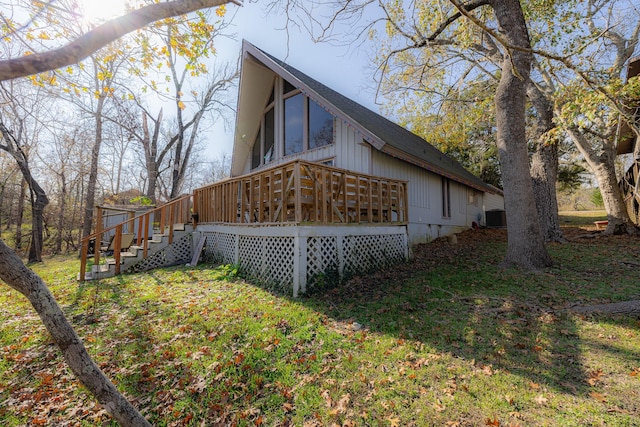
(381, 132)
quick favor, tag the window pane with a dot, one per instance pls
(269, 137)
(320, 126)
(293, 124)
(446, 198)
(255, 153)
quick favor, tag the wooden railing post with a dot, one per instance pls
(145, 226)
(172, 216)
(83, 258)
(296, 193)
(196, 208)
(117, 247)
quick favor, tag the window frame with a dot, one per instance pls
(276, 102)
(446, 197)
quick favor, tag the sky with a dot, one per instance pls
(345, 69)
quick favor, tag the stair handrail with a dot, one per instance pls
(166, 220)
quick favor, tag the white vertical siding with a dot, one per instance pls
(493, 201)
(351, 152)
(425, 200)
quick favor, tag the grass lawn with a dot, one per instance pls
(581, 218)
(449, 339)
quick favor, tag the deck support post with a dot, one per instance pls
(299, 265)
(340, 249)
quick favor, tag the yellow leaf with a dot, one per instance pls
(221, 10)
(181, 105)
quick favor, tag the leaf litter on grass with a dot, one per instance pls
(446, 339)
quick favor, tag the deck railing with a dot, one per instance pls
(300, 192)
(153, 221)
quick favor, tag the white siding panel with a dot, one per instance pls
(351, 152)
(425, 200)
(493, 201)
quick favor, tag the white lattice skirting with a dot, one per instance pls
(299, 258)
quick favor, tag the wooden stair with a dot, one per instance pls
(134, 255)
(170, 244)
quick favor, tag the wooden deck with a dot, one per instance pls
(296, 192)
(303, 192)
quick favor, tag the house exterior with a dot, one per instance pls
(283, 114)
(321, 188)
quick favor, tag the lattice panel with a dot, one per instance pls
(219, 248)
(322, 259)
(367, 253)
(269, 259)
(179, 252)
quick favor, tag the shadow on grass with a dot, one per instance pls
(455, 299)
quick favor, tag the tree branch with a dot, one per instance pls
(106, 33)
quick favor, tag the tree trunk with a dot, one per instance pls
(177, 159)
(631, 308)
(525, 245)
(39, 201)
(61, 214)
(25, 281)
(150, 144)
(618, 218)
(20, 215)
(544, 172)
(603, 167)
(544, 167)
(90, 200)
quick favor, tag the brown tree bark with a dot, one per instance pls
(15, 274)
(631, 308)
(39, 199)
(525, 246)
(62, 208)
(152, 161)
(17, 242)
(544, 167)
(90, 199)
(602, 164)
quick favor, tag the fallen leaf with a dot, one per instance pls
(534, 385)
(598, 396)
(327, 398)
(492, 422)
(541, 400)
(487, 370)
(594, 377)
(394, 422)
(287, 407)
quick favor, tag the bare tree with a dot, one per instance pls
(12, 270)
(18, 139)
